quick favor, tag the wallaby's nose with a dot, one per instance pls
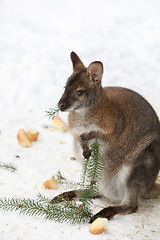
(61, 106)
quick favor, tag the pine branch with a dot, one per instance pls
(52, 112)
(24, 206)
(84, 173)
(64, 210)
(8, 166)
(91, 173)
(43, 199)
(64, 181)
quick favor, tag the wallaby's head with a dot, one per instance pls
(82, 86)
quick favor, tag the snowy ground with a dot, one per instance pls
(36, 38)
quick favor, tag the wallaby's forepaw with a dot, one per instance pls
(108, 213)
(86, 153)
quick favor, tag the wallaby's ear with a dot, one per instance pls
(77, 63)
(95, 70)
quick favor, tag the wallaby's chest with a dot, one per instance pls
(81, 124)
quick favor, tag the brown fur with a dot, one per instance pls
(126, 126)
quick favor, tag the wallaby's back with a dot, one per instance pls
(139, 118)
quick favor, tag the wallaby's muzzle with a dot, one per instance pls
(62, 105)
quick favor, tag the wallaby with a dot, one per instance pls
(125, 125)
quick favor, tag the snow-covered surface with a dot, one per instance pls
(36, 38)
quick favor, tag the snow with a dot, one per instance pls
(36, 38)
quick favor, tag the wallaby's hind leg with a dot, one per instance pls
(128, 205)
(110, 212)
(140, 180)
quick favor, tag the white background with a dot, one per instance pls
(36, 38)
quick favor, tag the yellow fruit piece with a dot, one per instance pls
(51, 183)
(32, 134)
(98, 226)
(59, 124)
(23, 139)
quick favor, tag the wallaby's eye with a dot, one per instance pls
(79, 92)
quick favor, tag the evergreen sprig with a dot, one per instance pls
(8, 166)
(52, 112)
(64, 181)
(91, 173)
(64, 210)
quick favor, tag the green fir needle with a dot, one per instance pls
(52, 112)
(8, 166)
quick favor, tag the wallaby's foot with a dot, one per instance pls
(110, 212)
(64, 196)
